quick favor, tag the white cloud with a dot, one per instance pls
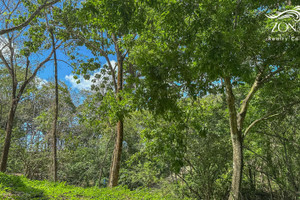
(40, 81)
(86, 84)
(83, 85)
(4, 46)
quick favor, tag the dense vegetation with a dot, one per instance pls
(16, 187)
(188, 99)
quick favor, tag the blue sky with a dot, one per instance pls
(47, 73)
(65, 71)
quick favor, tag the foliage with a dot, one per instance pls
(18, 187)
(175, 57)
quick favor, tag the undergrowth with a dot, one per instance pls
(19, 187)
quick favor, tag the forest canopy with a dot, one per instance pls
(164, 99)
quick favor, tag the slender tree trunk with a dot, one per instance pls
(237, 166)
(236, 126)
(236, 139)
(252, 179)
(0, 113)
(9, 126)
(270, 187)
(104, 158)
(54, 127)
(116, 159)
(290, 174)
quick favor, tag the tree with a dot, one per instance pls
(54, 128)
(198, 46)
(13, 59)
(271, 153)
(104, 28)
(192, 154)
(4, 97)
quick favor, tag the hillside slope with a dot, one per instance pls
(19, 187)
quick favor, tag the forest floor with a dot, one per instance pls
(19, 187)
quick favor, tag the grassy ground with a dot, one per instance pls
(19, 187)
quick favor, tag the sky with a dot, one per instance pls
(65, 71)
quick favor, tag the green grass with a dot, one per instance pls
(19, 187)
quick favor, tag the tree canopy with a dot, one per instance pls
(192, 99)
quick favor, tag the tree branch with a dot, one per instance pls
(191, 189)
(244, 107)
(268, 116)
(38, 10)
(27, 67)
(35, 72)
(231, 106)
(270, 75)
(120, 60)
(5, 63)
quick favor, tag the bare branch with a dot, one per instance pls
(64, 62)
(16, 7)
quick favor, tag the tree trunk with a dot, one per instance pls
(252, 179)
(237, 166)
(236, 139)
(7, 141)
(105, 155)
(54, 128)
(116, 160)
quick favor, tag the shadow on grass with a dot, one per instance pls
(16, 189)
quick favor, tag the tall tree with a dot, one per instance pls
(51, 30)
(13, 59)
(105, 28)
(54, 127)
(202, 46)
